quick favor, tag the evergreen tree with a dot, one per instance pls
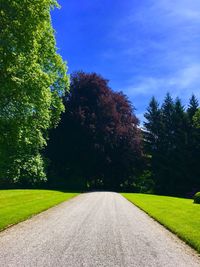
(196, 119)
(152, 139)
(152, 125)
(193, 107)
(193, 146)
(172, 141)
(179, 151)
(167, 138)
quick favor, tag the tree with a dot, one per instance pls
(32, 82)
(152, 124)
(193, 107)
(193, 149)
(180, 182)
(97, 143)
(196, 119)
(165, 172)
(152, 140)
(172, 144)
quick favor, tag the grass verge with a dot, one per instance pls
(179, 215)
(19, 205)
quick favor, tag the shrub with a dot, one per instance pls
(144, 183)
(197, 198)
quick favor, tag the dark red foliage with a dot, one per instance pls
(98, 138)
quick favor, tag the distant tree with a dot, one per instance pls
(193, 149)
(152, 139)
(179, 177)
(33, 79)
(193, 107)
(172, 141)
(196, 119)
(166, 181)
(97, 143)
(167, 110)
(152, 125)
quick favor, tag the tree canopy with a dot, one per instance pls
(98, 139)
(33, 79)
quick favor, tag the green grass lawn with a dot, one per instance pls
(179, 215)
(18, 205)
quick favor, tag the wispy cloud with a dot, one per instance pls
(159, 46)
(182, 83)
(145, 47)
(185, 9)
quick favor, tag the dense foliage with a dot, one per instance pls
(97, 144)
(172, 145)
(33, 79)
(197, 198)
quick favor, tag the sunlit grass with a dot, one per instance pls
(179, 215)
(18, 205)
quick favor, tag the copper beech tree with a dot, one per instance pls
(98, 143)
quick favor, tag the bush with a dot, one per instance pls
(144, 183)
(197, 198)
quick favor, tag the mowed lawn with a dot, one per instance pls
(179, 215)
(18, 205)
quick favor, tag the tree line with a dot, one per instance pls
(100, 145)
(172, 146)
(77, 133)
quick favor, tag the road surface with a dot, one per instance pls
(93, 229)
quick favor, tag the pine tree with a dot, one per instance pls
(193, 107)
(193, 146)
(165, 172)
(179, 150)
(152, 140)
(152, 125)
(172, 141)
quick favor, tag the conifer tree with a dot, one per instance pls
(192, 108)
(152, 140)
(172, 141)
(193, 146)
(179, 150)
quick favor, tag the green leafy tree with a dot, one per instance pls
(33, 80)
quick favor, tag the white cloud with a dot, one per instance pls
(159, 43)
(160, 26)
(182, 83)
(185, 9)
(187, 77)
(158, 51)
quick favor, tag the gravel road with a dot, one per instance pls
(93, 229)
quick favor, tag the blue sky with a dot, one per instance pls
(144, 48)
